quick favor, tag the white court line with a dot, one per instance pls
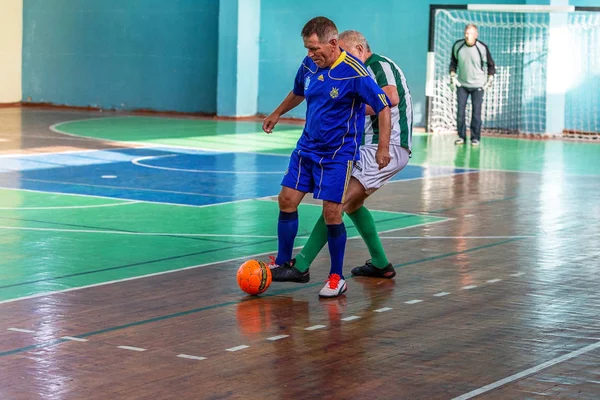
(191, 357)
(20, 228)
(493, 280)
(315, 327)
(469, 287)
(462, 237)
(20, 330)
(273, 199)
(413, 301)
(480, 237)
(278, 337)
(131, 348)
(139, 189)
(351, 318)
(446, 219)
(139, 201)
(518, 274)
(148, 145)
(74, 339)
(45, 294)
(137, 161)
(384, 309)
(34, 296)
(535, 172)
(111, 232)
(70, 207)
(237, 348)
(209, 235)
(528, 372)
(53, 153)
(441, 294)
(171, 271)
(54, 128)
(434, 177)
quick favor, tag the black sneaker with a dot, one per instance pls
(370, 270)
(288, 273)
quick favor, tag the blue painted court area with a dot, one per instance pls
(166, 175)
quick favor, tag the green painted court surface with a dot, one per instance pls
(55, 242)
(507, 154)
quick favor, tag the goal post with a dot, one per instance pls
(547, 68)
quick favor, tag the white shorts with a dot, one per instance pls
(367, 171)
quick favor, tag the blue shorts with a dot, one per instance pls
(326, 179)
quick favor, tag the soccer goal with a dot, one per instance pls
(547, 68)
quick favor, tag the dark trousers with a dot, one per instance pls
(476, 102)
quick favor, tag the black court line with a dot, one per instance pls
(137, 264)
(229, 303)
(108, 230)
(235, 246)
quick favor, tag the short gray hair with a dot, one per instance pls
(323, 27)
(355, 37)
(471, 26)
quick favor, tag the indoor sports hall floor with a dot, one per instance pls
(120, 237)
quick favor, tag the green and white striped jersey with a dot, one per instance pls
(386, 72)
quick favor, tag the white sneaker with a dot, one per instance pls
(334, 286)
(272, 264)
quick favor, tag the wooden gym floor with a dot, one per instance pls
(121, 235)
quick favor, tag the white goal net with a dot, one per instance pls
(519, 43)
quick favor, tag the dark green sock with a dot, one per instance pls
(364, 223)
(316, 241)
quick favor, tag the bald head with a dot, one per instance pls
(356, 44)
(471, 34)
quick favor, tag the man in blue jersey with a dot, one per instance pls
(367, 177)
(336, 87)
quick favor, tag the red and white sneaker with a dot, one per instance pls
(334, 286)
(272, 264)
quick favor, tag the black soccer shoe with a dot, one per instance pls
(370, 270)
(288, 273)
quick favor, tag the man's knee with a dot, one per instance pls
(355, 196)
(289, 199)
(352, 205)
(332, 213)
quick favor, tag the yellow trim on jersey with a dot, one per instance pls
(348, 176)
(352, 63)
(341, 58)
(383, 100)
(356, 66)
(360, 73)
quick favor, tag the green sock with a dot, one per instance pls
(364, 223)
(316, 241)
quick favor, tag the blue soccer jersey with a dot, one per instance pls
(335, 111)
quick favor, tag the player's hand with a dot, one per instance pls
(270, 122)
(454, 83)
(382, 157)
(488, 83)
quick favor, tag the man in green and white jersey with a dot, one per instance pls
(391, 79)
(367, 177)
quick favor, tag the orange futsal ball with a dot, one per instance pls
(254, 277)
